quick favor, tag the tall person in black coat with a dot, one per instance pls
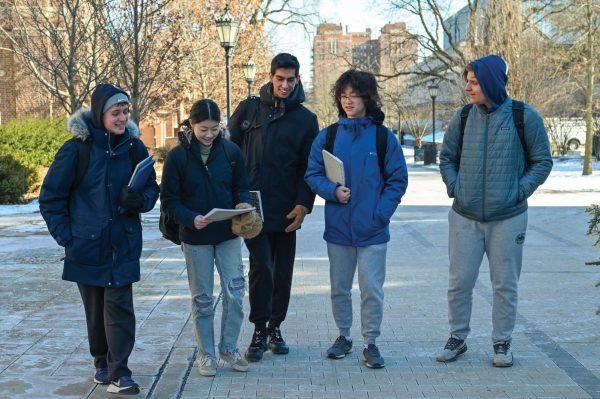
(97, 220)
(275, 133)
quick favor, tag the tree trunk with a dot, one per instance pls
(589, 89)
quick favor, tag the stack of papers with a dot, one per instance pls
(218, 214)
(334, 168)
(257, 202)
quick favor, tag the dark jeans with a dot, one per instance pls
(110, 326)
(271, 268)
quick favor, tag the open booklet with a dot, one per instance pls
(218, 214)
(334, 168)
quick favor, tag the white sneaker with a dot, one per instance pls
(207, 366)
(503, 356)
(235, 360)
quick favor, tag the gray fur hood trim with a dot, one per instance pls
(77, 126)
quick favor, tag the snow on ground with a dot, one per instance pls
(565, 177)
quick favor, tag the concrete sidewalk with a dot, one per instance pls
(44, 350)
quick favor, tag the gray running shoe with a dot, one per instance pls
(453, 349)
(503, 356)
(340, 348)
(372, 357)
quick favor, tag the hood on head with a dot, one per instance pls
(491, 73)
(79, 124)
(101, 94)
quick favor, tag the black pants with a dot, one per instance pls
(271, 268)
(110, 326)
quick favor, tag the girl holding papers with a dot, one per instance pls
(203, 172)
(358, 207)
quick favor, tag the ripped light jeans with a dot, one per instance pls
(201, 260)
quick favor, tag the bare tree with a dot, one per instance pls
(60, 42)
(142, 37)
(573, 24)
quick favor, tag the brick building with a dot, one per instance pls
(334, 51)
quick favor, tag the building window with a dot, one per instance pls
(333, 44)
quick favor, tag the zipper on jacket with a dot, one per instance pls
(484, 174)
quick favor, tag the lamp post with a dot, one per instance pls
(228, 29)
(433, 92)
(249, 73)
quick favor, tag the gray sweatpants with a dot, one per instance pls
(502, 241)
(343, 261)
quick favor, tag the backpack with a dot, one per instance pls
(166, 223)
(381, 143)
(251, 121)
(83, 159)
(518, 111)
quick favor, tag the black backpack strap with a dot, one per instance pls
(518, 111)
(251, 120)
(230, 155)
(381, 143)
(330, 137)
(83, 160)
(464, 114)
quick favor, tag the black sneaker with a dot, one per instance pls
(257, 347)
(372, 357)
(503, 356)
(276, 343)
(340, 348)
(453, 349)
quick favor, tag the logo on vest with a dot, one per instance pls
(505, 128)
(520, 238)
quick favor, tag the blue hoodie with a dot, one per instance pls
(490, 72)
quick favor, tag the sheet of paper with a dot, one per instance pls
(218, 214)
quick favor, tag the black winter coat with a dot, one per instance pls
(102, 245)
(275, 149)
(190, 188)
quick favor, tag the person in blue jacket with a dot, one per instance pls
(97, 221)
(207, 171)
(490, 176)
(357, 215)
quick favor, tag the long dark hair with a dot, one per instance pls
(364, 84)
(202, 110)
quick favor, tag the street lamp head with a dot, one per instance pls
(433, 90)
(228, 28)
(249, 71)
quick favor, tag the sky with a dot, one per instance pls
(356, 15)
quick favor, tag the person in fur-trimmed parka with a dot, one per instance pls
(97, 221)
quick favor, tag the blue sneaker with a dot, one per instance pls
(101, 376)
(124, 386)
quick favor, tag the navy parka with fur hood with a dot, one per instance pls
(102, 245)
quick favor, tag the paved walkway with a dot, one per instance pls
(44, 351)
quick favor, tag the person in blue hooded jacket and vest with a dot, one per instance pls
(97, 221)
(358, 213)
(490, 174)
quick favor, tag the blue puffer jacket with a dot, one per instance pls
(102, 246)
(365, 219)
(489, 180)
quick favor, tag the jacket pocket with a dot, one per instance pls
(134, 239)
(84, 247)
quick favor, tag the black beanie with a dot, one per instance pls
(101, 94)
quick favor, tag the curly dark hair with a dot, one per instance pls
(364, 84)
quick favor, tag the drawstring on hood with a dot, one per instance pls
(491, 73)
